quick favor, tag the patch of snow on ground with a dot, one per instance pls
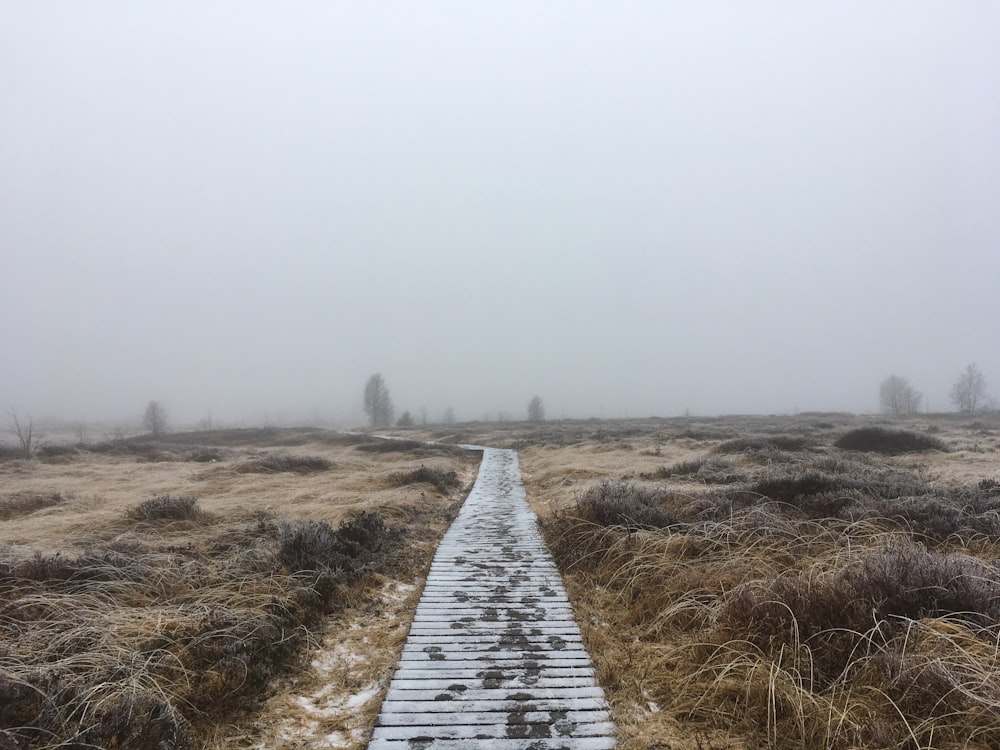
(325, 708)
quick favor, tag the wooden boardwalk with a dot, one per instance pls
(494, 657)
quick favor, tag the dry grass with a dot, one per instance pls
(160, 603)
(741, 583)
(786, 593)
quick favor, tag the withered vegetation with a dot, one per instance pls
(440, 479)
(769, 589)
(150, 624)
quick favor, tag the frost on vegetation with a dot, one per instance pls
(327, 707)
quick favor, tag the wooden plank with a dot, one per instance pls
(494, 731)
(415, 670)
(510, 705)
(461, 693)
(442, 683)
(467, 718)
(493, 663)
(498, 637)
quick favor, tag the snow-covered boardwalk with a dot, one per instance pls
(494, 658)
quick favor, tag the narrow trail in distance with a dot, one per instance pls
(494, 658)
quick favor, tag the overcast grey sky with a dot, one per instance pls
(629, 208)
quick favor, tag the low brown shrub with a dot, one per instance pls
(888, 441)
(612, 503)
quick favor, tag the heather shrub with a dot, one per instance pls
(611, 503)
(888, 441)
(317, 546)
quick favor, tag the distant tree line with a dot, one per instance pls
(898, 397)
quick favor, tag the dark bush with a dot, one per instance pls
(136, 722)
(612, 503)
(442, 481)
(367, 533)
(277, 464)
(888, 441)
(41, 568)
(909, 581)
(788, 488)
(836, 614)
(886, 585)
(316, 546)
(165, 508)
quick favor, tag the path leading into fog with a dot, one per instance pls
(494, 658)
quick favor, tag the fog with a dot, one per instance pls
(243, 209)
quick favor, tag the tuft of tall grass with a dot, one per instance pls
(278, 463)
(165, 508)
(22, 504)
(443, 481)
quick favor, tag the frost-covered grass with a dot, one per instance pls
(796, 595)
(156, 604)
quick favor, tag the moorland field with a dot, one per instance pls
(808, 581)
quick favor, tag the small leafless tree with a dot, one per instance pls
(154, 418)
(536, 409)
(449, 416)
(82, 432)
(898, 397)
(969, 393)
(25, 433)
(377, 402)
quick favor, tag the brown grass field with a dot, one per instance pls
(742, 582)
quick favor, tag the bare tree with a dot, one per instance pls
(377, 403)
(898, 397)
(536, 409)
(969, 393)
(154, 418)
(82, 432)
(25, 433)
(449, 416)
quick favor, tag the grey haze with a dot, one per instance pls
(244, 209)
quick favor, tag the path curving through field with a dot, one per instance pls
(494, 658)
